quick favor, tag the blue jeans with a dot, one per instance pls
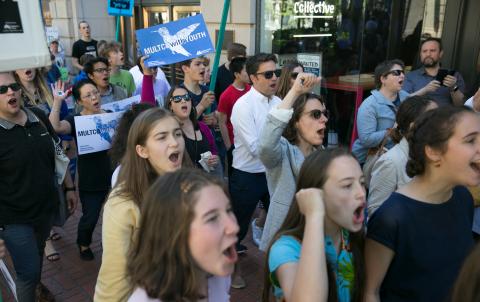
(25, 243)
(92, 203)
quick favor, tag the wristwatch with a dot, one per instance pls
(66, 189)
(455, 88)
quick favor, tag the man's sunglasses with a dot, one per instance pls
(316, 114)
(13, 86)
(179, 98)
(269, 74)
(396, 72)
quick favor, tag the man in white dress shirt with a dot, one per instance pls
(248, 182)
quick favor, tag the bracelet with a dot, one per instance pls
(66, 189)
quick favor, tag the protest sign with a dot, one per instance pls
(95, 132)
(120, 8)
(175, 41)
(22, 34)
(122, 105)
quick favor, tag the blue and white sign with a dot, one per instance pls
(120, 7)
(95, 132)
(176, 41)
(121, 105)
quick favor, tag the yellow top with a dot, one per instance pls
(120, 226)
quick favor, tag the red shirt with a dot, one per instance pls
(225, 105)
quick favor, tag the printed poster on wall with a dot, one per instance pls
(312, 63)
(95, 132)
(176, 41)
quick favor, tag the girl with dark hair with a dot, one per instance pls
(186, 242)
(154, 147)
(377, 113)
(317, 253)
(197, 135)
(388, 173)
(289, 74)
(418, 239)
(94, 170)
(291, 132)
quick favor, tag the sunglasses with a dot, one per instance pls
(294, 75)
(396, 72)
(269, 74)
(316, 114)
(179, 98)
(13, 86)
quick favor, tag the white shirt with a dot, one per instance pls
(248, 117)
(160, 84)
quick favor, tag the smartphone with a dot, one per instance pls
(442, 73)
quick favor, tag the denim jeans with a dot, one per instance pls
(246, 190)
(25, 244)
(92, 203)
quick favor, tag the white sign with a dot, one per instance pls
(312, 63)
(8, 278)
(122, 105)
(23, 37)
(95, 132)
(51, 33)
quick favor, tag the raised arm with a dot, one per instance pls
(307, 280)
(148, 94)
(270, 150)
(60, 126)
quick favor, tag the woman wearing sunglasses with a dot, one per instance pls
(290, 72)
(377, 113)
(198, 137)
(291, 132)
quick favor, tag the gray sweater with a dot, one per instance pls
(282, 161)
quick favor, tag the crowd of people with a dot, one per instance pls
(188, 168)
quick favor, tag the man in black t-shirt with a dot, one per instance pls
(224, 75)
(85, 45)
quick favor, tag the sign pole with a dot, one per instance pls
(117, 34)
(218, 52)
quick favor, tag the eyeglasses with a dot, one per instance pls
(102, 70)
(13, 86)
(179, 98)
(396, 72)
(269, 74)
(91, 95)
(294, 75)
(316, 114)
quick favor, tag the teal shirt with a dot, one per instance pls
(287, 249)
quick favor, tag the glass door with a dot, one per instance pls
(185, 11)
(155, 15)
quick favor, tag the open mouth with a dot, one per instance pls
(400, 82)
(174, 157)
(358, 214)
(184, 108)
(231, 253)
(28, 72)
(321, 132)
(12, 102)
(475, 167)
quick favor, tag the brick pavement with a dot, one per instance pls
(73, 280)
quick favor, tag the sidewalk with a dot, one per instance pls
(73, 280)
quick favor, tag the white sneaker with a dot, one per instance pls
(256, 232)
